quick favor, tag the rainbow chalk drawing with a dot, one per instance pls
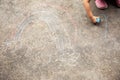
(50, 17)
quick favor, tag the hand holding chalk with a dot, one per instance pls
(96, 19)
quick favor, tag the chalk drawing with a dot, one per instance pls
(51, 18)
(22, 26)
(105, 18)
(50, 22)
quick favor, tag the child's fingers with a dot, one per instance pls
(94, 19)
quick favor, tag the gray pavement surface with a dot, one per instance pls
(54, 40)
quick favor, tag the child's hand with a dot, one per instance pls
(95, 19)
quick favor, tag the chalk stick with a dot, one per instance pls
(98, 20)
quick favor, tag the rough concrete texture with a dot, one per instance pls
(54, 40)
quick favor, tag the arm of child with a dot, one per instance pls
(89, 11)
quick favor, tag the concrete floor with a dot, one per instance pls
(54, 40)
